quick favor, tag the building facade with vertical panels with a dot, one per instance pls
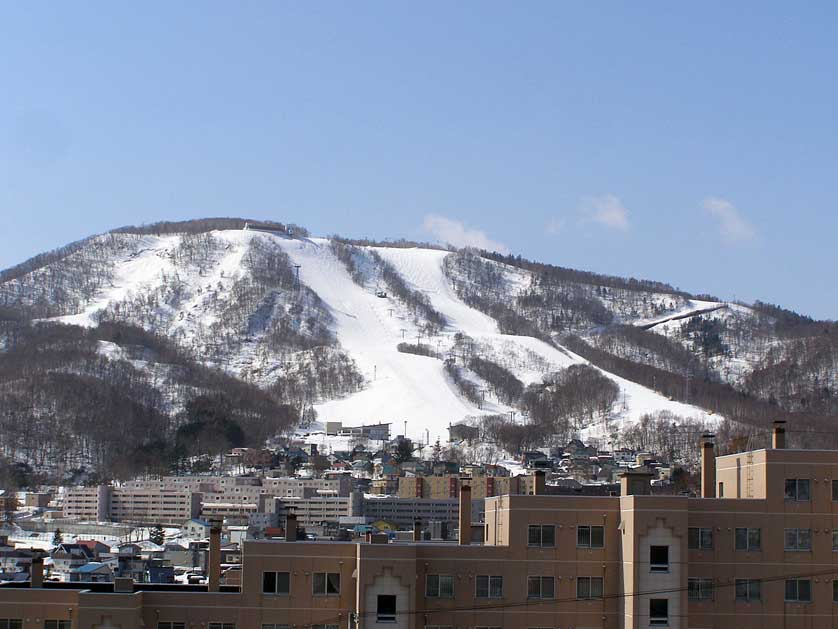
(119, 504)
(448, 486)
(756, 550)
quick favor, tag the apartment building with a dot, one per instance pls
(174, 499)
(151, 506)
(313, 511)
(756, 550)
(404, 512)
(448, 486)
(104, 503)
(250, 486)
(87, 503)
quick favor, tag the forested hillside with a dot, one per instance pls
(122, 352)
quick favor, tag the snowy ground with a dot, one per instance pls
(404, 387)
(400, 387)
(692, 308)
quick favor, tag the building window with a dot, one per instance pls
(721, 490)
(541, 535)
(324, 626)
(439, 586)
(11, 623)
(835, 490)
(798, 539)
(699, 538)
(540, 587)
(748, 539)
(67, 624)
(748, 590)
(276, 582)
(834, 539)
(588, 587)
(168, 625)
(658, 611)
(699, 589)
(325, 583)
(835, 591)
(797, 489)
(488, 586)
(590, 536)
(274, 626)
(799, 590)
(659, 559)
(221, 625)
(386, 610)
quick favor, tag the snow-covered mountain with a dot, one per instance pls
(419, 336)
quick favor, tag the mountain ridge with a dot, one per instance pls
(317, 323)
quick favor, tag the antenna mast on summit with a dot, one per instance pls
(297, 278)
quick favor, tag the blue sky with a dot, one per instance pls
(693, 144)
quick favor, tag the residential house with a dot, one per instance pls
(93, 572)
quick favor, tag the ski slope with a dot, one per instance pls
(399, 387)
(415, 389)
(693, 308)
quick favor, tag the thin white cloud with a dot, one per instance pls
(555, 225)
(456, 233)
(607, 210)
(733, 227)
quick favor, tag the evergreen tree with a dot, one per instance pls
(437, 451)
(157, 535)
(57, 537)
(404, 450)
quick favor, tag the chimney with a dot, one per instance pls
(538, 483)
(215, 556)
(708, 466)
(636, 482)
(417, 531)
(123, 585)
(778, 435)
(36, 572)
(290, 526)
(465, 515)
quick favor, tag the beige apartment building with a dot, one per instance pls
(756, 550)
(251, 487)
(119, 504)
(174, 499)
(448, 486)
